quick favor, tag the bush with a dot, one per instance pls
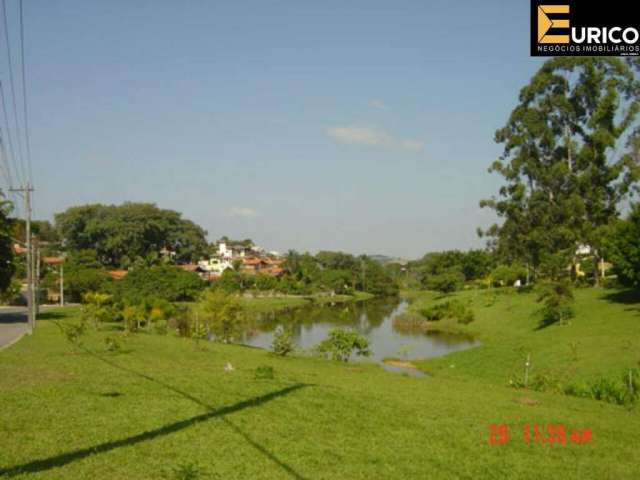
(507, 275)
(221, 314)
(453, 309)
(446, 282)
(557, 299)
(96, 308)
(282, 343)
(264, 372)
(112, 344)
(342, 343)
(166, 282)
(11, 295)
(608, 391)
(133, 317)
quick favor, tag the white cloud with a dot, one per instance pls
(373, 138)
(412, 144)
(245, 212)
(379, 104)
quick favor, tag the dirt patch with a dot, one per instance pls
(400, 364)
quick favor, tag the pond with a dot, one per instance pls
(372, 318)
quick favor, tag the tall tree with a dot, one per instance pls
(623, 247)
(564, 178)
(122, 234)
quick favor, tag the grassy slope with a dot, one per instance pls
(602, 340)
(162, 403)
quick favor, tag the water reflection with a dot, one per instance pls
(373, 318)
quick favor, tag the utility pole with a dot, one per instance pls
(36, 280)
(26, 191)
(61, 285)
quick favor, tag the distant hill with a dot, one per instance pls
(385, 259)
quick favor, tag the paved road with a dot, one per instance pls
(13, 324)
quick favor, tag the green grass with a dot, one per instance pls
(162, 408)
(602, 340)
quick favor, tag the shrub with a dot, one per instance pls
(446, 282)
(133, 316)
(74, 332)
(608, 390)
(222, 315)
(453, 309)
(282, 343)
(96, 308)
(166, 282)
(467, 317)
(342, 343)
(11, 294)
(507, 275)
(264, 372)
(557, 299)
(112, 344)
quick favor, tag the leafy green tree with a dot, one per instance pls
(445, 282)
(7, 266)
(557, 300)
(341, 344)
(124, 233)
(623, 248)
(563, 179)
(507, 275)
(96, 308)
(373, 278)
(222, 315)
(338, 281)
(282, 343)
(83, 273)
(165, 282)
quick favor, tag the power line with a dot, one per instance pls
(11, 84)
(12, 155)
(24, 97)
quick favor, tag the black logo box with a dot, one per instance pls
(609, 13)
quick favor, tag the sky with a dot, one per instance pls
(361, 126)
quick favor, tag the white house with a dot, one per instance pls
(215, 265)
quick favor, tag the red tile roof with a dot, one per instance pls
(118, 274)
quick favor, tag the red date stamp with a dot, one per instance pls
(553, 434)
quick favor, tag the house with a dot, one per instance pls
(118, 274)
(215, 265)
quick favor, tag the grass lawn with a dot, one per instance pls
(602, 340)
(161, 407)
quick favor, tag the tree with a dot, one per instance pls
(165, 282)
(445, 282)
(125, 233)
(507, 275)
(221, 314)
(373, 278)
(623, 248)
(563, 179)
(342, 343)
(7, 267)
(83, 273)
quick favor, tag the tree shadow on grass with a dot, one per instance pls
(626, 297)
(72, 456)
(69, 457)
(52, 315)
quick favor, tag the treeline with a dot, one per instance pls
(326, 272)
(132, 252)
(451, 270)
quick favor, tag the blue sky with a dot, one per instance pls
(364, 126)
